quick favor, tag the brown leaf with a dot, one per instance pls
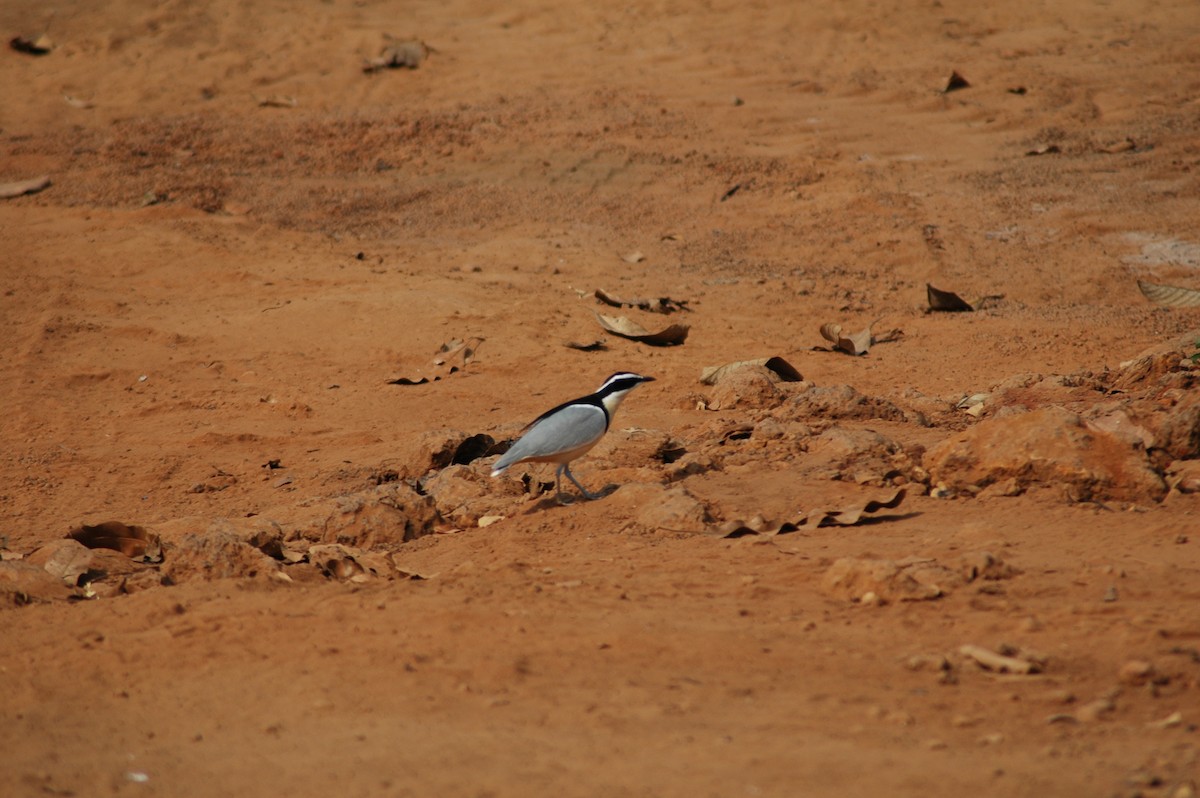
(660, 305)
(858, 343)
(783, 369)
(132, 541)
(619, 325)
(946, 301)
(347, 562)
(1169, 295)
(755, 526)
(399, 54)
(1120, 146)
(65, 559)
(587, 346)
(848, 516)
(453, 356)
(955, 83)
(20, 187)
(277, 101)
(38, 46)
(852, 515)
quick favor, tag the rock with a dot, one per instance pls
(837, 402)
(386, 514)
(22, 582)
(215, 553)
(748, 387)
(1094, 710)
(985, 565)
(446, 447)
(910, 579)
(864, 456)
(65, 559)
(1177, 431)
(1136, 672)
(661, 507)
(1048, 447)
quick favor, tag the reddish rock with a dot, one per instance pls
(1050, 447)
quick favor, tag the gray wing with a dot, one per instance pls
(570, 428)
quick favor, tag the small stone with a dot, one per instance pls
(1185, 790)
(1110, 594)
(871, 599)
(1136, 672)
(1169, 722)
(1094, 710)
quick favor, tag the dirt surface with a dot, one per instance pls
(247, 236)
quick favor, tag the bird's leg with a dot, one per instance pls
(589, 496)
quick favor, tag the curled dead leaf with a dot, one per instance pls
(777, 365)
(39, 45)
(587, 346)
(674, 335)
(277, 101)
(947, 301)
(847, 516)
(955, 83)
(132, 541)
(660, 305)
(858, 343)
(1126, 145)
(1170, 295)
(21, 187)
(950, 302)
(453, 356)
(1001, 663)
(399, 55)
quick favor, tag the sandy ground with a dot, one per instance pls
(202, 312)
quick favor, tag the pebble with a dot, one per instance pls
(1136, 672)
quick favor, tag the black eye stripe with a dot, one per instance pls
(622, 381)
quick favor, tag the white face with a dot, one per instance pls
(613, 401)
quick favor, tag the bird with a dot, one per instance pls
(568, 431)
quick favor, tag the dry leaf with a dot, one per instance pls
(587, 346)
(849, 516)
(946, 301)
(399, 54)
(1170, 295)
(1044, 149)
(277, 101)
(67, 560)
(1120, 146)
(660, 305)
(1001, 663)
(19, 187)
(755, 526)
(783, 369)
(453, 357)
(132, 541)
(858, 343)
(955, 83)
(634, 257)
(619, 325)
(76, 102)
(38, 46)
